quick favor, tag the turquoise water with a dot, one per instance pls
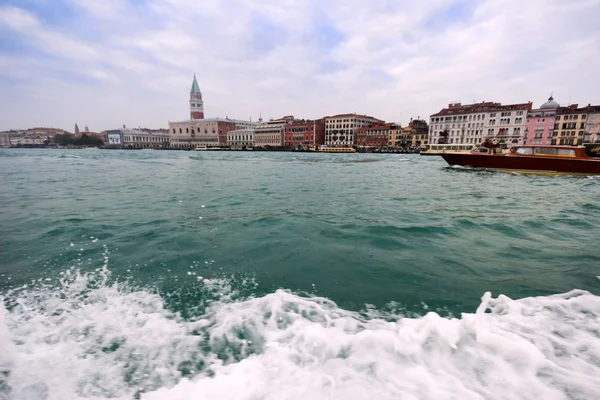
(158, 274)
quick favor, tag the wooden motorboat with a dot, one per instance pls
(529, 158)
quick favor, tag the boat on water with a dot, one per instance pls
(571, 160)
(439, 149)
(327, 149)
(203, 147)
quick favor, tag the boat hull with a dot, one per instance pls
(525, 163)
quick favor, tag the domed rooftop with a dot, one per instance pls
(550, 103)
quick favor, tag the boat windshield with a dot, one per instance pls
(566, 152)
(524, 150)
(549, 151)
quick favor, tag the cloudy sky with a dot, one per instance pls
(104, 63)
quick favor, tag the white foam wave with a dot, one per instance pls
(88, 339)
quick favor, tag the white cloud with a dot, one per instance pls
(120, 62)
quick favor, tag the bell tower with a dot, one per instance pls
(196, 103)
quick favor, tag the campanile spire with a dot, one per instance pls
(196, 103)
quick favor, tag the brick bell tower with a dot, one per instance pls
(196, 103)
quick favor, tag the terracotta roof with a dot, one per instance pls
(353, 115)
(480, 107)
(574, 109)
(376, 127)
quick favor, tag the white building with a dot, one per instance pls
(340, 130)
(240, 138)
(271, 133)
(5, 139)
(141, 139)
(28, 140)
(472, 123)
(592, 132)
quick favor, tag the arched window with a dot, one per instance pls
(179, 130)
(187, 130)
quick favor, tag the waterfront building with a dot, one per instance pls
(4, 139)
(462, 123)
(210, 132)
(6, 136)
(416, 133)
(507, 123)
(404, 137)
(197, 130)
(592, 131)
(540, 123)
(113, 139)
(271, 133)
(374, 136)
(298, 133)
(240, 138)
(136, 139)
(28, 141)
(340, 130)
(571, 124)
(472, 123)
(395, 135)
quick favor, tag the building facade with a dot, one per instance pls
(29, 141)
(340, 130)
(210, 132)
(299, 133)
(507, 123)
(472, 123)
(592, 130)
(138, 139)
(540, 123)
(571, 124)
(461, 123)
(394, 135)
(240, 138)
(7, 135)
(374, 136)
(196, 102)
(113, 139)
(271, 133)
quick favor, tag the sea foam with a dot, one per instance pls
(90, 338)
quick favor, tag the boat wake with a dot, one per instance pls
(89, 338)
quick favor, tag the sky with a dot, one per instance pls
(107, 63)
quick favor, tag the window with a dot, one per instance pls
(566, 152)
(525, 150)
(545, 150)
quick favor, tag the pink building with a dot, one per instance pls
(540, 123)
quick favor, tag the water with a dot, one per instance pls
(188, 275)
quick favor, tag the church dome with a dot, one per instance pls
(550, 104)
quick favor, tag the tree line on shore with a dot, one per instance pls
(84, 140)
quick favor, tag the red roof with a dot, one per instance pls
(572, 109)
(376, 127)
(480, 107)
(353, 115)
